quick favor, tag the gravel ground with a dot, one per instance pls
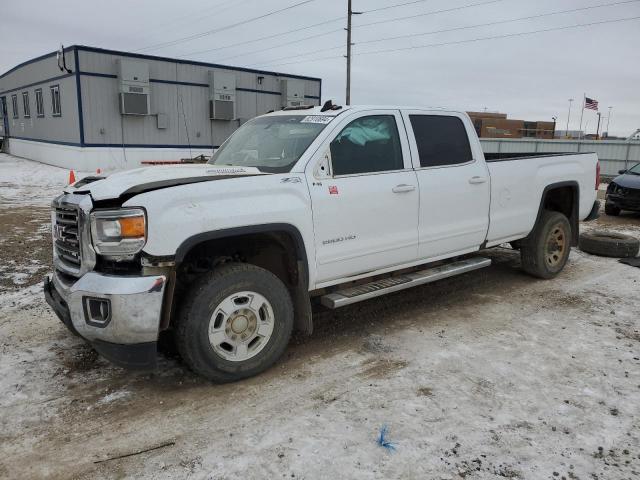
(488, 375)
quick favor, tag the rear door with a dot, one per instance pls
(454, 183)
(365, 197)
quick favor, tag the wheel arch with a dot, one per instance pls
(269, 232)
(563, 197)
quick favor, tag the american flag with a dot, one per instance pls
(590, 103)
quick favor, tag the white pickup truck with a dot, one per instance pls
(321, 205)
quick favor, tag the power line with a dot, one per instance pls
(220, 29)
(395, 6)
(479, 39)
(292, 31)
(508, 35)
(410, 35)
(267, 37)
(498, 22)
(433, 12)
(287, 44)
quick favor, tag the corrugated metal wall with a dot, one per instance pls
(614, 155)
(42, 74)
(178, 88)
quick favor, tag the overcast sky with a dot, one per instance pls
(528, 77)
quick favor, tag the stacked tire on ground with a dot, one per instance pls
(609, 244)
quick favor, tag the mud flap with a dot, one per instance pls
(303, 315)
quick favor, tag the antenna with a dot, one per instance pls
(62, 62)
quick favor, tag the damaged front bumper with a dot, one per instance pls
(118, 315)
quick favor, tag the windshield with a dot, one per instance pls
(635, 170)
(272, 144)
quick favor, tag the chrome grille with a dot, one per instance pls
(66, 236)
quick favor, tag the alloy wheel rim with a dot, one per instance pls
(556, 246)
(241, 326)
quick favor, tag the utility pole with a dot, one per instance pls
(608, 120)
(350, 13)
(598, 129)
(566, 132)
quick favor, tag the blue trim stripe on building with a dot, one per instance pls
(79, 96)
(48, 80)
(114, 145)
(85, 48)
(192, 84)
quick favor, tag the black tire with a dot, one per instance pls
(609, 244)
(536, 253)
(611, 209)
(203, 298)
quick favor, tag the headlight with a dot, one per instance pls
(119, 234)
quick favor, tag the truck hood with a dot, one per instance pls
(133, 182)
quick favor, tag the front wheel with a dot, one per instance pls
(235, 323)
(545, 252)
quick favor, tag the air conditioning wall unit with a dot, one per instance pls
(222, 95)
(133, 87)
(292, 92)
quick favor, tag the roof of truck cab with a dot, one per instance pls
(355, 108)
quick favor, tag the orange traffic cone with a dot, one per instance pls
(72, 177)
(98, 171)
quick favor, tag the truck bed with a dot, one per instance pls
(518, 182)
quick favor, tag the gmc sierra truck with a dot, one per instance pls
(311, 205)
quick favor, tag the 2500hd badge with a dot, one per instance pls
(339, 239)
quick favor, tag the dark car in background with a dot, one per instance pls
(623, 192)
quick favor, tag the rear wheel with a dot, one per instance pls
(545, 252)
(235, 323)
(611, 209)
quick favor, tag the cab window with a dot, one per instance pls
(366, 145)
(442, 140)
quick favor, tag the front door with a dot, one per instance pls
(5, 118)
(365, 198)
(454, 183)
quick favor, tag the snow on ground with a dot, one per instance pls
(23, 182)
(488, 375)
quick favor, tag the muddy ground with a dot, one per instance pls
(488, 375)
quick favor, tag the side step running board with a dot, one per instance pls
(359, 293)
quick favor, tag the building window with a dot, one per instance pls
(55, 101)
(25, 104)
(14, 105)
(39, 103)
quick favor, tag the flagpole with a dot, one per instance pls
(584, 99)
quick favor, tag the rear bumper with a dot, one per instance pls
(624, 202)
(125, 330)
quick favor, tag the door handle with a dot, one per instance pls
(403, 187)
(476, 180)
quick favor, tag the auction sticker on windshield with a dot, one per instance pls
(316, 119)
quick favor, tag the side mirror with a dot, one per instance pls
(622, 172)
